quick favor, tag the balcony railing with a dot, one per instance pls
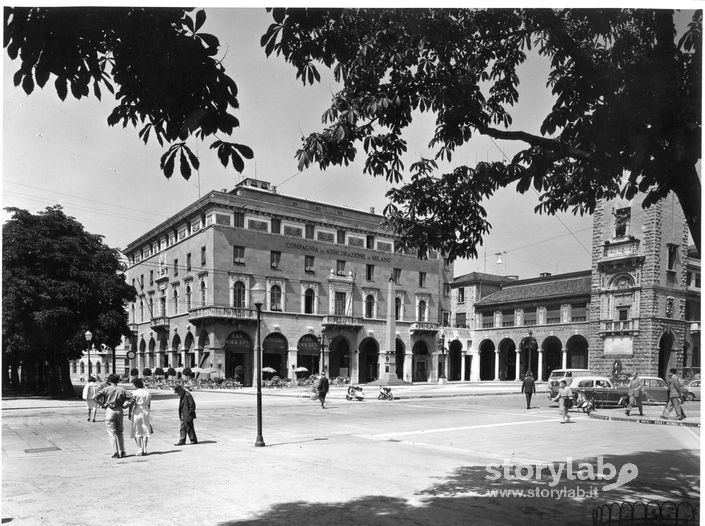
(213, 312)
(342, 321)
(160, 323)
(619, 327)
(423, 326)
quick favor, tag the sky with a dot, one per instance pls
(56, 152)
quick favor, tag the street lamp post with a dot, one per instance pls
(442, 347)
(89, 337)
(258, 299)
(322, 348)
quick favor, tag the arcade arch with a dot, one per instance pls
(455, 359)
(421, 362)
(369, 360)
(577, 352)
(239, 357)
(487, 357)
(339, 358)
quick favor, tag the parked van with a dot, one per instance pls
(554, 381)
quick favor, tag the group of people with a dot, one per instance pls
(116, 399)
(635, 392)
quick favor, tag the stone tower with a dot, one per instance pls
(638, 293)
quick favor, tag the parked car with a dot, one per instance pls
(655, 390)
(557, 375)
(601, 388)
(692, 390)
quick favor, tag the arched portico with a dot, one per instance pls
(400, 354)
(487, 359)
(274, 353)
(421, 362)
(339, 363)
(455, 361)
(553, 355)
(577, 352)
(308, 355)
(239, 354)
(666, 354)
(507, 359)
(369, 360)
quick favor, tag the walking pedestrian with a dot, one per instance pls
(323, 386)
(140, 411)
(187, 414)
(528, 387)
(565, 401)
(635, 390)
(89, 391)
(675, 394)
(113, 398)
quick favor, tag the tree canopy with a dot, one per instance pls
(58, 282)
(160, 66)
(626, 116)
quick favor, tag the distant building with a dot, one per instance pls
(326, 270)
(637, 308)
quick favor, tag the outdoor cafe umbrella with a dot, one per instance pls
(269, 370)
(301, 370)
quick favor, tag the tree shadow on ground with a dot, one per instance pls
(464, 497)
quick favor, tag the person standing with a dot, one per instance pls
(89, 391)
(528, 387)
(113, 399)
(323, 386)
(675, 394)
(141, 428)
(187, 414)
(565, 401)
(635, 391)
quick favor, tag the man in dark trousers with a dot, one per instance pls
(187, 413)
(675, 395)
(323, 386)
(528, 387)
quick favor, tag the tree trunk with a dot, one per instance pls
(687, 189)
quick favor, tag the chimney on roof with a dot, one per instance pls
(544, 274)
(372, 210)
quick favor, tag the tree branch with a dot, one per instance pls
(536, 140)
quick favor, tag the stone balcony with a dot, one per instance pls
(159, 323)
(620, 252)
(619, 327)
(349, 322)
(216, 313)
(423, 326)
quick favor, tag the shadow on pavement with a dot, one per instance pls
(468, 496)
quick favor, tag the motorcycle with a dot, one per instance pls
(385, 393)
(355, 391)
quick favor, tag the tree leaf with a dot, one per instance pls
(200, 19)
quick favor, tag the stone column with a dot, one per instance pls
(564, 358)
(435, 361)
(292, 364)
(354, 366)
(496, 365)
(408, 366)
(517, 364)
(475, 366)
(539, 373)
(463, 357)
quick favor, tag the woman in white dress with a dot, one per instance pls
(141, 428)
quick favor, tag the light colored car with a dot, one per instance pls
(692, 390)
(591, 382)
(557, 375)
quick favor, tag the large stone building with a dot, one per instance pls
(637, 308)
(331, 278)
(326, 271)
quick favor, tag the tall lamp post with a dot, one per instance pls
(322, 348)
(89, 337)
(442, 347)
(258, 293)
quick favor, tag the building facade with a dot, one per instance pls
(637, 308)
(332, 278)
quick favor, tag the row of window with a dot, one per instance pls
(275, 303)
(275, 263)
